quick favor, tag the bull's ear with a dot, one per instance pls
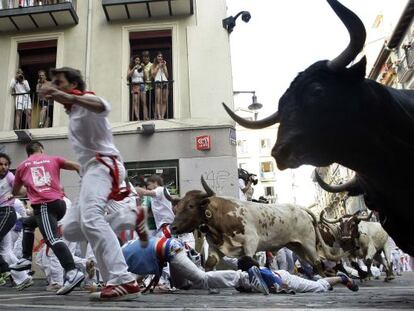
(358, 70)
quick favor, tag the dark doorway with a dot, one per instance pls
(154, 41)
(35, 56)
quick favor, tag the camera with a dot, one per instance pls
(20, 77)
(246, 16)
(246, 176)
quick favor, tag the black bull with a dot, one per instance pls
(331, 113)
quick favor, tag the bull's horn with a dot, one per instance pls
(206, 187)
(351, 186)
(270, 120)
(329, 221)
(357, 35)
(365, 218)
(169, 197)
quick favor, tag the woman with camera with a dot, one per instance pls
(136, 76)
(159, 73)
(21, 90)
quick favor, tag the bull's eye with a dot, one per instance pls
(316, 91)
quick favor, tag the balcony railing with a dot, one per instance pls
(30, 112)
(267, 175)
(34, 14)
(148, 95)
(145, 9)
(404, 72)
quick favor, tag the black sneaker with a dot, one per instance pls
(21, 265)
(348, 282)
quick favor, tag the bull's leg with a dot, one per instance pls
(310, 256)
(386, 261)
(212, 261)
(368, 263)
(361, 273)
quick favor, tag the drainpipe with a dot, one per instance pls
(88, 44)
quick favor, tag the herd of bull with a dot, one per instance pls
(235, 228)
(329, 114)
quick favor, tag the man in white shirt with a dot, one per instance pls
(161, 207)
(21, 90)
(102, 174)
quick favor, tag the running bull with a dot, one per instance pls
(234, 228)
(331, 113)
(361, 239)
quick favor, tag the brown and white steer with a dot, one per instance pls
(235, 228)
(362, 240)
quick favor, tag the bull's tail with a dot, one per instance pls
(325, 248)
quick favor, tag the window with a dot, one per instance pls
(242, 146)
(267, 170)
(265, 145)
(33, 57)
(152, 98)
(138, 172)
(269, 191)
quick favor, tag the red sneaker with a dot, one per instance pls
(127, 291)
(141, 226)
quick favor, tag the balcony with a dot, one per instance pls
(151, 101)
(146, 9)
(404, 72)
(61, 13)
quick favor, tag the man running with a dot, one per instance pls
(40, 175)
(102, 173)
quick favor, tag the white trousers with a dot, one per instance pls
(182, 268)
(6, 251)
(87, 222)
(16, 240)
(301, 285)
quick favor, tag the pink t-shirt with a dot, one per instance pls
(40, 174)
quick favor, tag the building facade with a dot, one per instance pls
(100, 37)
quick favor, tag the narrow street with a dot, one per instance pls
(376, 294)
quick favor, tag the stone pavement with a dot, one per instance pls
(373, 295)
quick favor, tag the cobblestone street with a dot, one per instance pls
(376, 294)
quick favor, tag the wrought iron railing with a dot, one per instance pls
(148, 94)
(39, 115)
(14, 4)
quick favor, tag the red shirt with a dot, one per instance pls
(40, 174)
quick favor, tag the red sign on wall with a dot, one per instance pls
(203, 142)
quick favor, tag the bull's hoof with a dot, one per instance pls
(213, 291)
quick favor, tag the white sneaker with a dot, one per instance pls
(26, 283)
(21, 265)
(72, 279)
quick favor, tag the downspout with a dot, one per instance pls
(88, 44)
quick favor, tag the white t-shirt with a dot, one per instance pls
(20, 88)
(137, 76)
(160, 76)
(90, 132)
(242, 185)
(161, 208)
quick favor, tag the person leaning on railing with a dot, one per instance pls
(43, 102)
(21, 90)
(159, 73)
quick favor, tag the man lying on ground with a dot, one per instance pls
(184, 272)
(281, 281)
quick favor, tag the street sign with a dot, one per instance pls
(203, 142)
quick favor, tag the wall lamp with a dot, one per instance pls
(23, 136)
(146, 129)
(230, 22)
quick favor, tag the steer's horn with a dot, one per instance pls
(357, 35)
(206, 187)
(365, 218)
(329, 221)
(270, 120)
(169, 197)
(352, 186)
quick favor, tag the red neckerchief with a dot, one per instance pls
(77, 93)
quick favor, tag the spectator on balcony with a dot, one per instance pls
(21, 90)
(148, 94)
(136, 78)
(159, 73)
(43, 102)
